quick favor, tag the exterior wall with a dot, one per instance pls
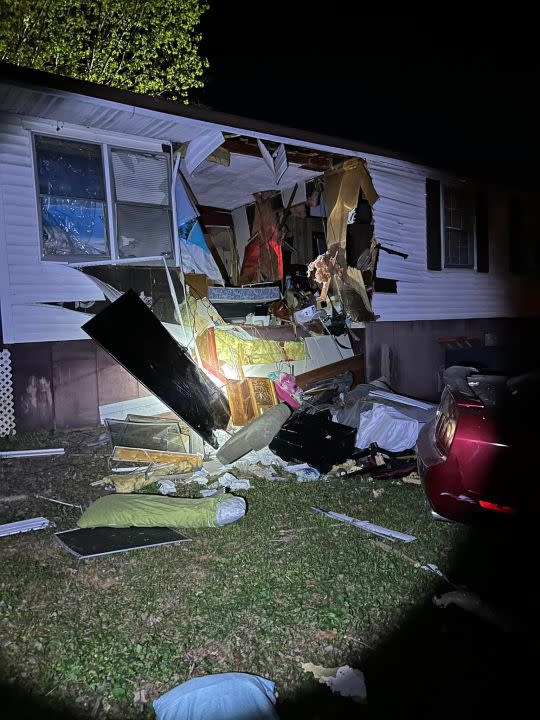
(451, 293)
(408, 354)
(61, 385)
(25, 279)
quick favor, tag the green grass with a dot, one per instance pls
(281, 587)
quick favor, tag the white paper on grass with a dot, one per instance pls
(388, 427)
(201, 147)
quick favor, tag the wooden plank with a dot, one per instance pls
(354, 364)
(155, 456)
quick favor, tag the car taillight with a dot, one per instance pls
(446, 422)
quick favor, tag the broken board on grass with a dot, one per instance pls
(87, 543)
(129, 331)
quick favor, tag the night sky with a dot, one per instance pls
(465, 101)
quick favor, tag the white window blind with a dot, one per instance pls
(143, 217)
(140, 177)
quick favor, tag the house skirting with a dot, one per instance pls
(410, 355)
(62, 385)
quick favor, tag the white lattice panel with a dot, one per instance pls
(7, 407)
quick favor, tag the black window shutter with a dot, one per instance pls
(433, 224)
(482, 234)
(515, 232)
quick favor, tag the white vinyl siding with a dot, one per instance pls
(452, 293)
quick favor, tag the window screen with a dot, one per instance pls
(141, 186)
(459, 227)
(71, 199)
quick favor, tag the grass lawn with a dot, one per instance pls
(281, 587)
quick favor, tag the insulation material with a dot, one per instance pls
(263, 259)
(195, 255)
(7, 406)
(236, 352)
(342, 187)
(331, 267)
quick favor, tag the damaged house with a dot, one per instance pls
(219, 224)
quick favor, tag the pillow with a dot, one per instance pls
(123, 510)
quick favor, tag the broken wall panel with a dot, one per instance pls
(134, 336)
(150, 283)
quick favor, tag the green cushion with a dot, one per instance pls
(123, 510)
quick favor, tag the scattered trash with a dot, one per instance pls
(166, 487)
(87, 543)
(344, 680)
(22, 526)
(367, 526)
(127, 483)
(229, 481)
(377, 492)
(412, 479)
(60, 502)
(101, 440)
(225, 696)
(42, 452)
(200, 476)
(236, 484)
(211, 492)
(12, 498)
(226, 479)
(303, 472)
(428, 567)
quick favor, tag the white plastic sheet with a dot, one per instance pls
(388, 427)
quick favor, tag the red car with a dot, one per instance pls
(474, 457)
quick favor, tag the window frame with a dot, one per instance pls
(106, 223)
(109, 142)
(444, 185)
(108, 149)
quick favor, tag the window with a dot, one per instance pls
(71, 199)
(458, 226)
(142, 202)
(78, 204)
